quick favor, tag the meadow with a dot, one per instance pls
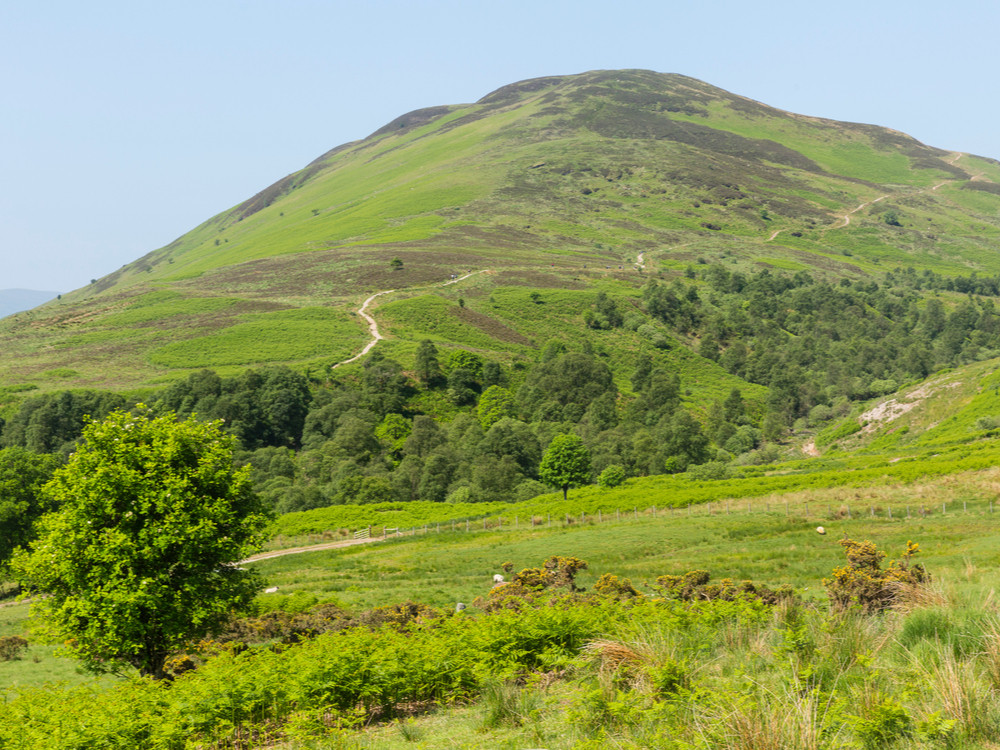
(620, 663)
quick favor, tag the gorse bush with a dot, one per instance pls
(865, 584)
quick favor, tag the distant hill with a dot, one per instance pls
(17, 300)
(556, 188)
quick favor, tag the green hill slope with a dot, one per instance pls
(575, 183)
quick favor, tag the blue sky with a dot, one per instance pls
(125, 124)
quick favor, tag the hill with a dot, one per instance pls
(561, 186)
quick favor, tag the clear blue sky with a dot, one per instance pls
(124, 124)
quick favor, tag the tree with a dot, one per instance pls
(566, 463)
(22, 475)
(495, 404)
(140, 557)
(427, 367)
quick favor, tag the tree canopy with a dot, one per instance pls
(22, 474)
(566, 463)
(139, 558)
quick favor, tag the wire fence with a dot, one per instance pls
(818, 512)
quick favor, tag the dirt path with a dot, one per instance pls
(846, 218)
(309, 548)
(373, 326)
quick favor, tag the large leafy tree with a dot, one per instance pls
(140, 557)
(566, 463)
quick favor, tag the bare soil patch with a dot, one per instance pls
(892, 409)
(490, 326)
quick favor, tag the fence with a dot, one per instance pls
(818, 512)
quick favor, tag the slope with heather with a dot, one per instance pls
(557, 182)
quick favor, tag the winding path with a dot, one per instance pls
(846, 218)
(373, 326)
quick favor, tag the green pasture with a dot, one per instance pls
(769, 546)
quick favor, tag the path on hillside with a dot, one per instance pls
(846, 218)
(310, 548)
(373, 326)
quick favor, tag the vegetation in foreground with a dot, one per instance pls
(894, 660)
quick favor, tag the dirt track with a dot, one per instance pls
(311, 548)
(373, 326)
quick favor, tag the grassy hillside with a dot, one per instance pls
(556, 183)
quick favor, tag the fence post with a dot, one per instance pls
(550, 518)
(453, 524)
(598, 515)
(515, 522)
(849, 516)
(654, 511)
(890, 512)
(942, 509)
(786, 506)
(871, 509)
(618, 514)
(637, 511)
(466, 524)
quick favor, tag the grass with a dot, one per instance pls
(284, 336)
(775, 542)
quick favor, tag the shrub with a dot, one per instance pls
(616, 588)
(695, 586)
(12, 647)
(864, 583)
(709, 471)
(987, 423)
(612, 476)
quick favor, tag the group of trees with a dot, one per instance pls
(816, 343)
(364, 438)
